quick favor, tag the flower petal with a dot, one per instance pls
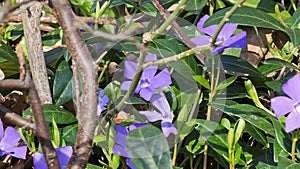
(1, 130)
(120, 150)
(64, 154)
(129, 69)
(11, 138)
(282, 105)
(137, 125)
(227, 31)
(146, 93)
(152, 116)
(161, 103)
(39, 161)
(237, 41)
(291, 87)
(201, 40)
(150, 58)
(162, 79)
(149, 72)
(210, 30)
(18, 152)
(168, 128)
(292, 122)
(122, 132)
(129, 163)
(125, 85)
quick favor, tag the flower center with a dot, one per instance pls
(145, 82)
(297, 107)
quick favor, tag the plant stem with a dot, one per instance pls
(294, 143)
(168, 21)
(134, 82)
(224, 20)
(177, 57)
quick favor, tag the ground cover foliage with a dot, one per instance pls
(149, 84)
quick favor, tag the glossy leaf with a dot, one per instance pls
(282, 63)
(227, 82)
(287, 163)
(266, 5)
(63, 84)
(148, 148)
(241, 67)
(249, 113)
(195, 6)
(61, 116)
(7, 53)
(202, 81)
(296, 19)
(251, 17)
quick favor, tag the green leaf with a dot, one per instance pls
(227, 82)
(282, 63)
(249, 113)
(257, 134)
(92, 166)
(148, 148)
(266, 5)
(287, 163)
(238, 130)
(7, 53)
(51, 38)
(296, 19)
(202, 81)
(251, 17)
(268, 68)
(113, 91)
(294, 35)
(195, 6)
(69, 134)
(241, 67)
(225, 123)
(215, 134)
(148, 8)
(56, 135)
(237, 155)
(63, 84)
(50, 110)
(282, 138)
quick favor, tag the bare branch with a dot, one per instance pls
(31, 24)
(87, 68)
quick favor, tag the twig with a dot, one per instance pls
(15, 119)
(179, 32)
(40, 122)
(87, 68)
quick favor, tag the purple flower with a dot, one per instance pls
(103, 100)
(160, 102)
(283, 105)
(8, 142)
(149, 81)
(224, 38)
(63, 154)
(120, 141)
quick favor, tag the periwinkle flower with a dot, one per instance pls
(120, 141)
(290, 105)
(8, 142)
(63, 154)
(159, 101)
(224, 38)
(149, 81)
(103, 100)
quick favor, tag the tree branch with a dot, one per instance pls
(87, 68)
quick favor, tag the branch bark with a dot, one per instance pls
(32, 32)
(87, 69)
